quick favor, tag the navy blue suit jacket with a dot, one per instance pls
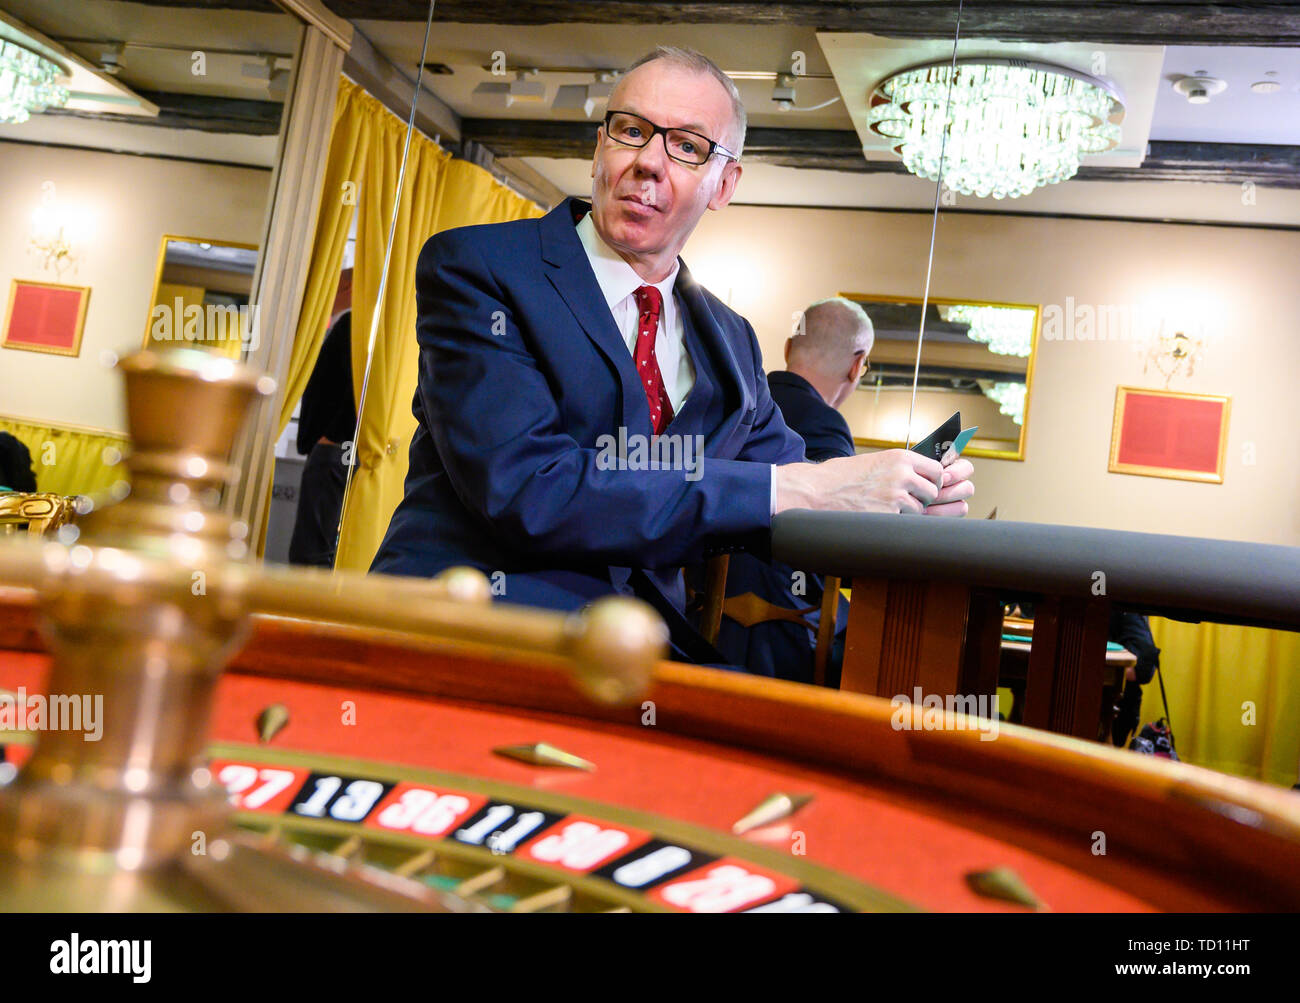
(522, 371)
(824, 431)
(778, 648)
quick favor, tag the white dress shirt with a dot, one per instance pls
(619, 282)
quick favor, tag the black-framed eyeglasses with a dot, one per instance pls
(682, 145)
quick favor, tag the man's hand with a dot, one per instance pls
(895, 480)
(957, 487)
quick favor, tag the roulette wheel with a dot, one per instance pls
(377, 744)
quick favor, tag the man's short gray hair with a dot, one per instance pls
(691, 59)
(831, 331)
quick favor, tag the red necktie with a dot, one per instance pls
(648, 303)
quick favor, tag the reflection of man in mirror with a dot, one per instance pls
(542, 338)
(327, 418)
(825, 358)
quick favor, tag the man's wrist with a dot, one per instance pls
(788, 491)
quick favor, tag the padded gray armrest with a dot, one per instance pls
(1181, 576)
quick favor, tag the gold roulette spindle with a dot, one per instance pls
(141, 612)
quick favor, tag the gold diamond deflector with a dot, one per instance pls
(1004, 884)
(544, 754)
(272, 721)
(771, 809)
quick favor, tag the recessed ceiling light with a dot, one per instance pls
(1266, 87)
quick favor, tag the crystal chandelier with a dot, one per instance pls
(1006, 330)
(1010, 398)
(1014, 125)
(28, 83)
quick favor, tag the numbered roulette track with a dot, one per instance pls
(386, 757)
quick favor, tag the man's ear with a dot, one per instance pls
(600, 136)
(859, 363)
(730, 178)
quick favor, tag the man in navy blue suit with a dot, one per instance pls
(590, 419)
(825, 358)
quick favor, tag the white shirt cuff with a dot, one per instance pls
(773, 469)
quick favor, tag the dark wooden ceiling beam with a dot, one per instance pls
(195, 111)
(1150, 22)
(1145, 22)
(840, 150)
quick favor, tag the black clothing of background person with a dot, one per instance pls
(1133, 632)
(16, 465)
(328, 411)
(824, 431)
(778, 648)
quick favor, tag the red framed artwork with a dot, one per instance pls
(1161, 433)
(45, 317)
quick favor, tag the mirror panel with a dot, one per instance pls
(977, 358)
(168, 144)
(201, 296)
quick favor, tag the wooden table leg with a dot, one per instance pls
(904, 634)
(982, 656)
(1067, 666)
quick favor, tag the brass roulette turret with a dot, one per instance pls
(143, 608)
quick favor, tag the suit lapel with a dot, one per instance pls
(570, 273)
(731, 384)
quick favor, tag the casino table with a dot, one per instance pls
(387, 754)
(304, 741)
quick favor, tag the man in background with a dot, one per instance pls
(327, 419)
(825, 358)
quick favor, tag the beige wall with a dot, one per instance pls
(130, 202)
(1238, 286)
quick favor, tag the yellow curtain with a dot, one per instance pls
(1234, 697)
(356, 117)
(439, 194)
(70, 460)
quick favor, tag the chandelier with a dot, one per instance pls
(1010, 397)
(27, 83)
(1006, 330)
(1012, 125)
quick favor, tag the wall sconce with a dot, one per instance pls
(1170, 353)
(55, 236)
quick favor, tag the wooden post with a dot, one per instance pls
(904, 634)
(826, 628)
(982, 657)
(1067, 665)
(715, 596)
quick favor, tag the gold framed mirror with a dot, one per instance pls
(977, 358)
(200, 296)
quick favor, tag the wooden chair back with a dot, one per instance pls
(749, 609)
